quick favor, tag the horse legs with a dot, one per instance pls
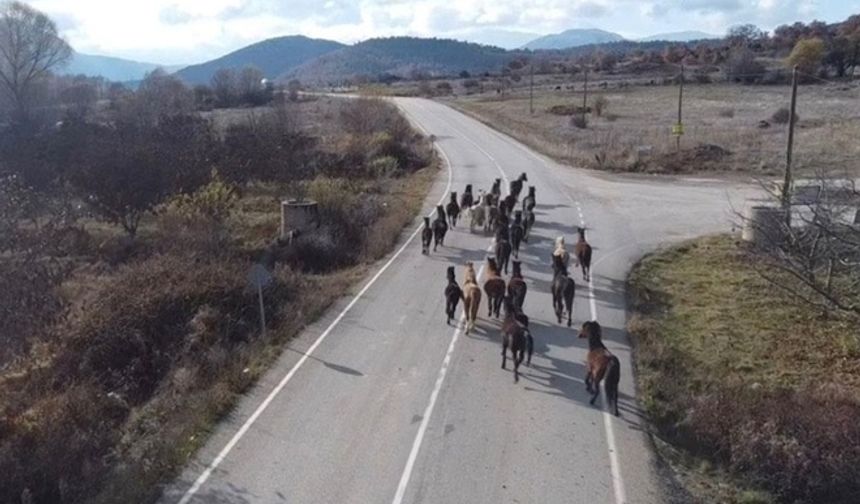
(588, 381)
(504, 350)
(517, 361)
(530, 346)
(595, 392)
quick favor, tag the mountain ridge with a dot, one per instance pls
(274, 57)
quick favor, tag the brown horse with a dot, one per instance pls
(453, 210)
(426, 236)
(453, 295)
(494, 287)
(516, 337)
(517, 287)
(563, 290)
(601, 364)
(440, 228)
(583, 255)
(471, 297)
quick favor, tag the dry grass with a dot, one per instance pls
(637, 130)
(160, 335)
(750, 385)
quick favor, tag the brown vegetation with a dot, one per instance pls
(747, 378)
(128, 327)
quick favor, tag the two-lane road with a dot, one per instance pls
(381, 402)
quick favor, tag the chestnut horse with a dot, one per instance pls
(563, 290)
(426, 236)
(494, 287)
(471, 297)
(453, 210)
(583, 255)
(453, 295)
(440, 228)
(601, 364)
(517, 287)
(517, 338)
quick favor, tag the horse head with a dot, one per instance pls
(518, 216)
(492, 265)
(517, 271)
(426, 221)
(451, 276)
(591, 330)
(524, 177)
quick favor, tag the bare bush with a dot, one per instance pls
(579, 121)
(728, 113)
(819, 249)
(600, 105)
(782, 116)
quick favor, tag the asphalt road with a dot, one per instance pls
(381, 402)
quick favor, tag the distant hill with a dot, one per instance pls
(274, 57)
(401, 56)
(506, 39)
(681, 36)
(114, 69)
(573, 38)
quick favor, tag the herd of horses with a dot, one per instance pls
(511, 227)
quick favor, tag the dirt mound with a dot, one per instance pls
(703, 157)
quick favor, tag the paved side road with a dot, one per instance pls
(381, 402)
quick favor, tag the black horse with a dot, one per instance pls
(453, 210)
(440, 228)
(467, 199)
(563, 290)
(426, 236)
(517, 338)
(517, 185)
(529, 202)
(453, 295)
(517, 232)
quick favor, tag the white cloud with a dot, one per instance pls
(183, 31)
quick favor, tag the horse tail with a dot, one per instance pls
(530, 344)
(613, 376)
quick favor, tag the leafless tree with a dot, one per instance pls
(224, 86)
(29, 48)
(817, 257)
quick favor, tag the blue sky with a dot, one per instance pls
(189, 31)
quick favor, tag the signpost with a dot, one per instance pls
(258, 278)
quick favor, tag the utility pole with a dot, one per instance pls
(680, 105)
(532, 88)
(585, 92)
(786, 185)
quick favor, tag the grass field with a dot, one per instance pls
(755, 394)
(634, 131)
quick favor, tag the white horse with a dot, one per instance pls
(561, 251)
(477, 212)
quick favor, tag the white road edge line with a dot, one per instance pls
(428, 411)
(614, 465)
(204, 476)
